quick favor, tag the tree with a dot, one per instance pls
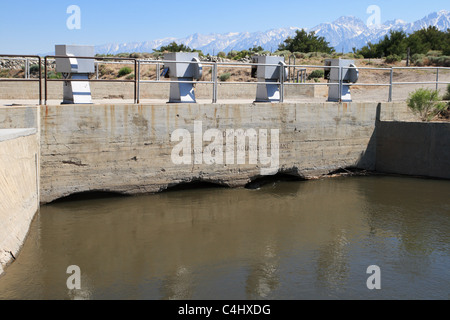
(420, 42)
(425, 40)
(174, 47)
(306, 42)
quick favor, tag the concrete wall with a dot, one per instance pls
(19, 189)
(127, 148)
(414, 148)
(108, 90)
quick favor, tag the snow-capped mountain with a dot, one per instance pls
(343, 34)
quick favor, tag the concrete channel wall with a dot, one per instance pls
(127, 148)
(19, 189)
(414, 148)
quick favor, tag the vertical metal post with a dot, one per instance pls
(391, 85)
(40, 80)
(135, 81)
(215, 85)
(293, 75)
(437, 78)
(27, 75)
(45, 79)
(158, 72)
(340, 84)
(138, 81)
(282, 83)
(96, 70)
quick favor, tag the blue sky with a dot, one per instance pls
(30, 27)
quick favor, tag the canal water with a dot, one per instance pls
(286, 240)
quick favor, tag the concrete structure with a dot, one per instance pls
(19, 189)
(127, 148)
(75, 92)
(421, 149)
(185, 69)
(269, 72)
(346, 74)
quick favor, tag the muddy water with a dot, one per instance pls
(287, 240)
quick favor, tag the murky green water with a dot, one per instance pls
(287, 240)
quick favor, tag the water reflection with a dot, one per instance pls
(291, 240)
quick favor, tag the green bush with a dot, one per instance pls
(124, 71)
(393, 58)
(442, 61)
(447, 94)
(434, 53)
(316, 74)
(130, 76)
(54, 75)
(34, 68)
(425, 103)
(417, 58)
(222, 54)
(225, 76)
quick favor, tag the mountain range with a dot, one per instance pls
(343, 34)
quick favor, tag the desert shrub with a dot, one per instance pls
(124, 71)
(283, 53)
(425, 103)
(417, 57)
(54, 75)
(316, 74)
(4, 73)
(442, 61)
(34, 68)
(130, 76)
(447, 94)
(225, 76)
(434, 53)
(105, 70)
(300, 55)
(222, 54)
(393, 58)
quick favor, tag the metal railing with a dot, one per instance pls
(214, 81)
(26, 79)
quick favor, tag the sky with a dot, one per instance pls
(32, 26)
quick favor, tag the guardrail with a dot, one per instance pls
(27, 79)
(215, 66)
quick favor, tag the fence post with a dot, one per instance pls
(138, 81)
(340, 84)
(215, 85)
(391, 85)
(45, 80)
(282, 74)
(437, 78)
(158, 72)
(40, 80)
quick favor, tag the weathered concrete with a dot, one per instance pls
(19, 189)
(127, 148)
(414, 148)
